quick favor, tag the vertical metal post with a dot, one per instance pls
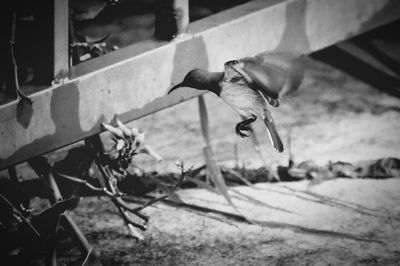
(61, 39)
(52, 44)
(182, 9)
(172, 18)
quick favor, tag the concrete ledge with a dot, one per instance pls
(132, 82)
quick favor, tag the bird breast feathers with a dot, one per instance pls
(243, 99)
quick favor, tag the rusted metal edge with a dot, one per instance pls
(132, 82)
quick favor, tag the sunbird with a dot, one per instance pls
(250, 85)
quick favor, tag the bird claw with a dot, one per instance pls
(241, 134)
(246, 128)
(239, 130)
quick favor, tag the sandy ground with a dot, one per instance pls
(367, 209)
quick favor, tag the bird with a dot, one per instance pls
(250, 86)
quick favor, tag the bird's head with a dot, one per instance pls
(200, 79)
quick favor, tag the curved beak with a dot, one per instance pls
(176, 87)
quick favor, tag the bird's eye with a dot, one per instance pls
(232, 62)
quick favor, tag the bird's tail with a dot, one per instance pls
(273, 134)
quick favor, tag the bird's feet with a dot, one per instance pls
(239, 128)
(244, 126)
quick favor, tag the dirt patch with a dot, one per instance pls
(366, 212)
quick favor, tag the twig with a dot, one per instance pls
(175, 187)
(20, 94)
(20, 215)
(122, 208)
(119, 203)
(85, 183)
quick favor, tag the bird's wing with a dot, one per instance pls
(289, 62)
(266, 80)
(273, 79)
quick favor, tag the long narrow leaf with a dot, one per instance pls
(213, 170)
(202, 184)
(237, 175)
(216, 176)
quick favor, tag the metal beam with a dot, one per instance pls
(132, 82)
